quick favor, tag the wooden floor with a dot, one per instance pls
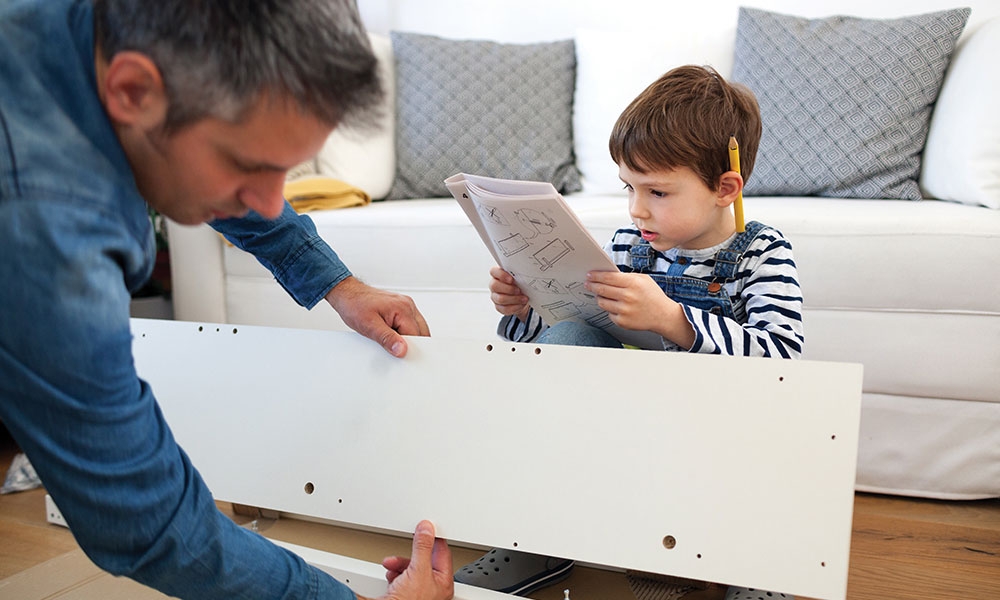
(901, 548)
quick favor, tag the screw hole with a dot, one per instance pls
(538, 350)
(201, 328)
(833, 437)
(513, 349)
(489, 347)
(515, 544)
(669, 542)
(699, 555)
(822, 564)
(309, 487)
(234, 330)
(781, 378)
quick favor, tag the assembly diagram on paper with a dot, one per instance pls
(534, 235)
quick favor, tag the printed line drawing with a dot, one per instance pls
(513, 244)
(564, 310)
(493, 214)
(535, 222)
(544, 285)
(550, 254)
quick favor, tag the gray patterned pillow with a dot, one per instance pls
(501, 110)
(845, 102)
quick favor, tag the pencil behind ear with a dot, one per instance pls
(730, 188)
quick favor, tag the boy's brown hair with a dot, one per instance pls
(685, 119)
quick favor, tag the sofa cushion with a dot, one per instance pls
(853, 96)
(963, 145)
(503, 110)
(367, 157)
(604, 88)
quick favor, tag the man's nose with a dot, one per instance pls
(264, 195)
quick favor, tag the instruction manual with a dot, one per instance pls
(534, 235)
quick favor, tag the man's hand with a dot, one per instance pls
(377, 314)
(427, 575)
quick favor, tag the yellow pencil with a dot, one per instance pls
(734, 164)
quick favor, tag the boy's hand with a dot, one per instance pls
(634, 301)
(507, 297)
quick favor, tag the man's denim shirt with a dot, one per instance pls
(75, 240)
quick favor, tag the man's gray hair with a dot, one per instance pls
(219, 57)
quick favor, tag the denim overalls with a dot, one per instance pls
(711, 296)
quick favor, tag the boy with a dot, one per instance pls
(685, 271)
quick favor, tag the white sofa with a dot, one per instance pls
(910, 289)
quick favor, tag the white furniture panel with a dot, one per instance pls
(724, 469)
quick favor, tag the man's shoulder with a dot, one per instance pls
(54, 130)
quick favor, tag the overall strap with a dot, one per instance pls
(728, 258)
(643, 256)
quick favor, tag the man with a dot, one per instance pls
(197, 109)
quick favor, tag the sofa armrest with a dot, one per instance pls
(197, 275)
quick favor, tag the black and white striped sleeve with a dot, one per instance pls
(772, 299)
(515, 330)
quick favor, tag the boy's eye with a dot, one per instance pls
(657, 193)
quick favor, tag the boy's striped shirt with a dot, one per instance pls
(765, 293)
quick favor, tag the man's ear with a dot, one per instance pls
(730, 186)
(132, 90)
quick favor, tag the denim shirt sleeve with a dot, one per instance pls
(291, 250)
(71, 398)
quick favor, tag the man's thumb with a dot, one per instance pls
(423, 545)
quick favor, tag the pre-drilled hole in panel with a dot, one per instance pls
(309, 487)
(489, 347)
(538, 350)
(669, 542)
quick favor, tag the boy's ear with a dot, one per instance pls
(730, 186)
(132, 90)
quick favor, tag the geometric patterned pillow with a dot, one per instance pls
(485, 108)
(845, 102)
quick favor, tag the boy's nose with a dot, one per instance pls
(637, 209)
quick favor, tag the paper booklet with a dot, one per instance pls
(534, 235)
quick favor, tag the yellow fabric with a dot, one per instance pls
(323, 193)
(315, 192)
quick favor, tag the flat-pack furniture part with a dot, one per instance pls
(733, 470)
